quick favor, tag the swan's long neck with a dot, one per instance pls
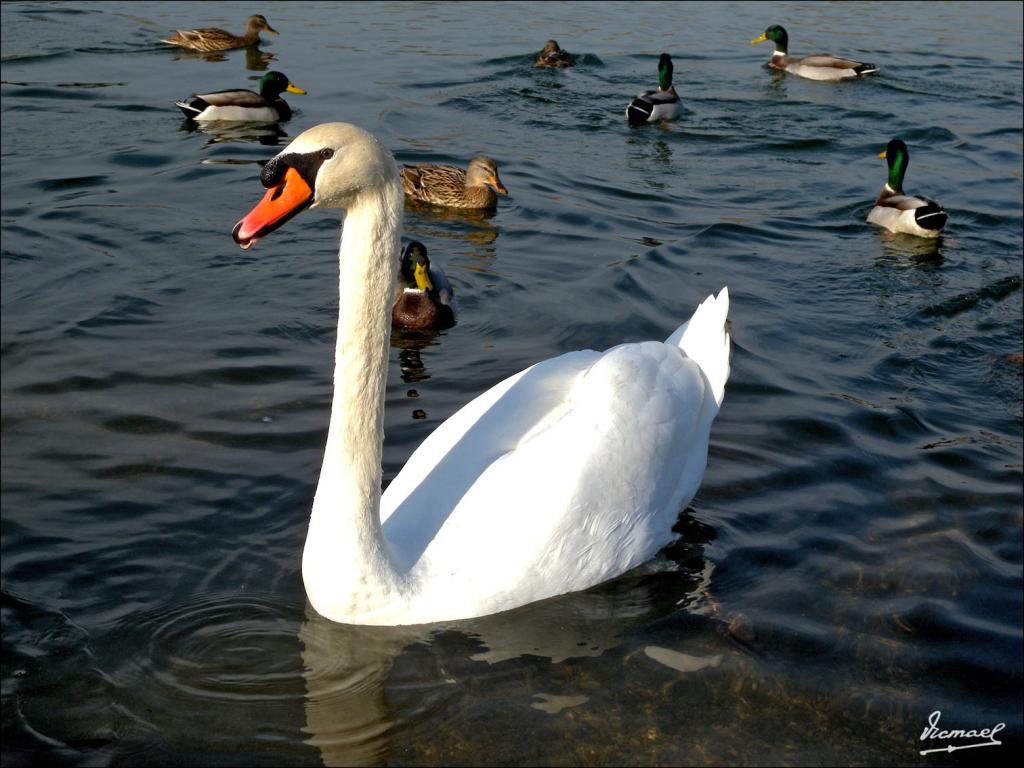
(345, 563)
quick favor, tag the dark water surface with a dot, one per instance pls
(852, 561)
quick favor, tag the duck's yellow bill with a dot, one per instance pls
(293, 88)
(422, 277)
(280, 203)
(882, 153)
(759, 39)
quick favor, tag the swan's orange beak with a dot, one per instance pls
(281, 202)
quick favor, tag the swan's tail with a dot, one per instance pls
(704, 340)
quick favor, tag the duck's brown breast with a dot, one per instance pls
(480, 197)
(415, 310)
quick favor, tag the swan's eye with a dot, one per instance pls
(326, 154)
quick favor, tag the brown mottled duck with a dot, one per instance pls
(213, 39)
(453, 187)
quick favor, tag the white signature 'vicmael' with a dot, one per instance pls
(933, 732)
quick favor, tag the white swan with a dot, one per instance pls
(560, 477)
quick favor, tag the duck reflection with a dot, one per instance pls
(409, 345)
(255, 59)
(473, 220)
(776, 84)
(471, 233)
(351, 711)
(652, 159)
(922, 251)
(228, 131)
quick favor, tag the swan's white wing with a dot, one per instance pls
(438, 473)
(554, 480)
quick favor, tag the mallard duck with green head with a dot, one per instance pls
(452, 187)
(662, 104)
(817, 67)
(899, 212)
(424, 298)
(240, 104)
(213, 39)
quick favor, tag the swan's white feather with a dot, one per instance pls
(553, 480)
(574, 471)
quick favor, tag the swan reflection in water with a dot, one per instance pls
(356, 675)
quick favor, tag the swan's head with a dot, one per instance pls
(329, 166)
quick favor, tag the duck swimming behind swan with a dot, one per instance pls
(424, 297)
(562, 476)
